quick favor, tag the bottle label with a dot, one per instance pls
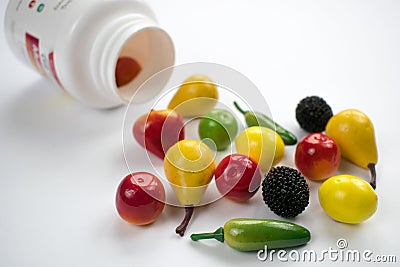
(53, 70)
(34, 25)
(33, 49)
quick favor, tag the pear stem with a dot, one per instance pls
(180, 230)
(372, 182)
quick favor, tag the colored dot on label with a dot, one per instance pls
(32, 4)
(40, 7)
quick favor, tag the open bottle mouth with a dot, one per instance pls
(145, 53)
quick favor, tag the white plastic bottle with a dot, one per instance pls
(78, 43)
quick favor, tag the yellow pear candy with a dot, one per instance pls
(354, 132)
(261, 144)
(189, 167)
(195, 97)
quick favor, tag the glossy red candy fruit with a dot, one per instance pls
(238, 177)
(317, 156)
(140, 198)
(158, 130)
(126, 70)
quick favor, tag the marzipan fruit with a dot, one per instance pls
(354, 132)
(196, 96)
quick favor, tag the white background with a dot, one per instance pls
(61, 162)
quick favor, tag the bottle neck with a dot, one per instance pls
(137, 37)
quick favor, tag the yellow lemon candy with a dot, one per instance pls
(347, 198)
(189, 166)
(261, 144)
(195, 97)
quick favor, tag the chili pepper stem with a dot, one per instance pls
(218, 235)
(180, 230)
(239, 108)
(372, 182)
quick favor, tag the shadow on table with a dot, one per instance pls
(43, 113)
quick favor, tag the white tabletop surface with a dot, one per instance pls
(61, 162)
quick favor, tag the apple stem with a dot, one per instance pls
(180, 230)
(372, 182)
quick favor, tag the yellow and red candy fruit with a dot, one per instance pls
(158, 130)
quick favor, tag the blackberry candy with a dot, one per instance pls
(313, 113)
(285, 191)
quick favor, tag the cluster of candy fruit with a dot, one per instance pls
(189, 165)
(345, 198)
(348, 134)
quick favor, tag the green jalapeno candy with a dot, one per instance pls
(259, 119)
(255, 234)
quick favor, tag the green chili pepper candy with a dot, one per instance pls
(259, 119)
(255, 234)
